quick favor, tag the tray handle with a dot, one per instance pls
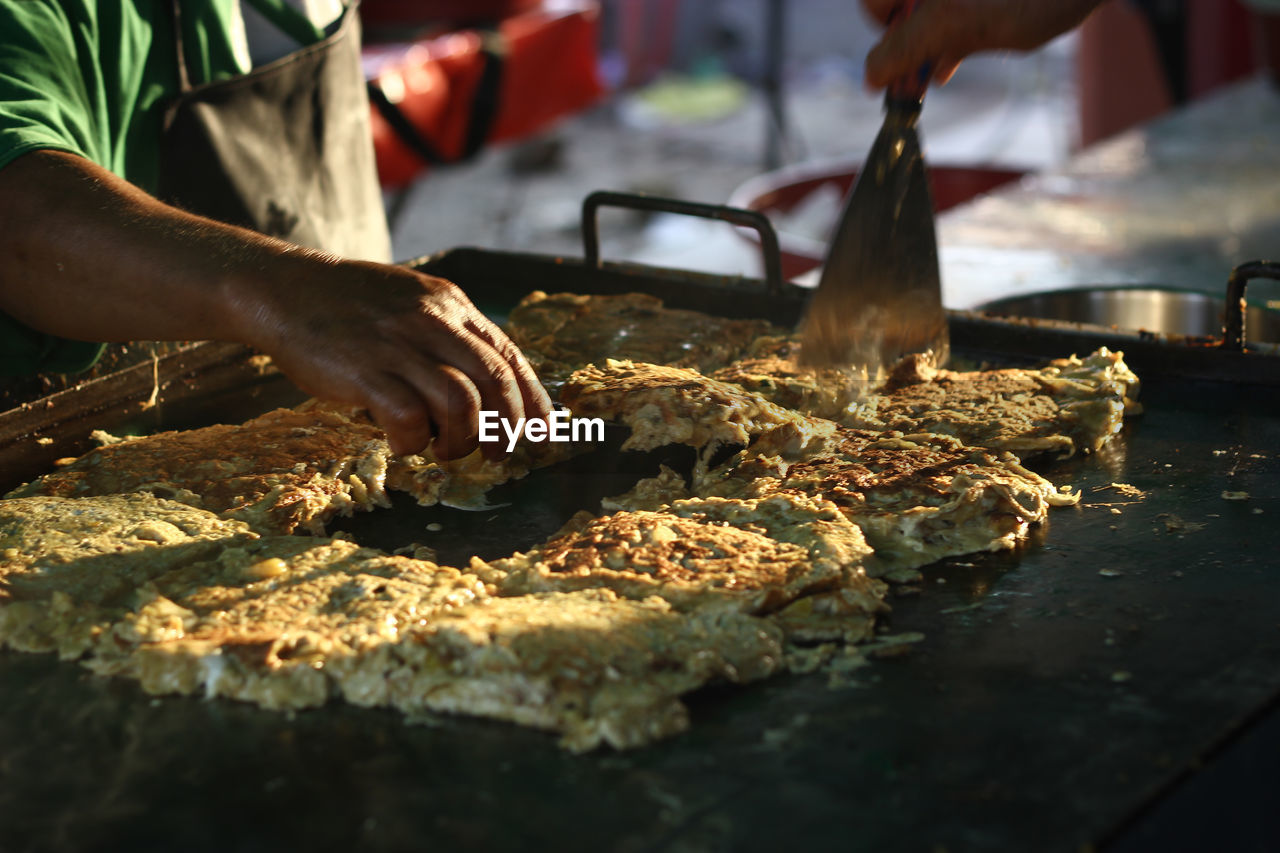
(752, 219)
(1233, 332)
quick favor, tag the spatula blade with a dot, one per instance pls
(880, 294)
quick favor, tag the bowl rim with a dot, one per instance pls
(993, 305)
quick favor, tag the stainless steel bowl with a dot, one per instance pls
(1151, 309)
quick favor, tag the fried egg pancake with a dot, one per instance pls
(67, 566)
(597, 668)
(751, 556)
(279, 622)
(771, 369)
(651, 493)
(917, 498)
(1070, 405)
(562, 332)
(287, 470)
(670, 405)
(293, 622)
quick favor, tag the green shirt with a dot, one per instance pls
(93, 78)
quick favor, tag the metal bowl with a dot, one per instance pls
(1150, 309)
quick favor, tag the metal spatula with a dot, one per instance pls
(880, 295)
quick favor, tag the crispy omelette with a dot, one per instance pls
(1069, 405)
(597, 668)
(68, 566)
(287, 470)
(671, 405)
(275, 621)
(917, 498)
(755, 564)
(186, 602)
(328, 620)
(752, 556)
(562, 332)
(770, 367)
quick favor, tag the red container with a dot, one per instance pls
(549, 71)
(778, 193)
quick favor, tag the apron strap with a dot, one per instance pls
(184, 79)
(484, 107)
(484, 104)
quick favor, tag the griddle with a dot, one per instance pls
(1064, 694)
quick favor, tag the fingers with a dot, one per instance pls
(537, 403)
(943, 32)
(486, 368)
(476, 346)
(923, 38)
(944, 71)
(401, 411)
(426, 406)
(410, 348)
(462, 364)
(881, 10)
(453, 403)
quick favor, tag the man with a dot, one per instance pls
(90, 254)
(941, 33)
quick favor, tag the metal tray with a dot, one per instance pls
(1138, 307)
(1049, 706)
(194, 385)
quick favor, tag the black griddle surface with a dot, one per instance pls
(1047, 706)
(517, 515)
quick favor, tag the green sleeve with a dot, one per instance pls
(45, 100)
(45, 103)
(24, 351)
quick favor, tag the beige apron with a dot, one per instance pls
(285, 149)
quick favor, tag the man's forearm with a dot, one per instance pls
(90, 257)
(84, 255)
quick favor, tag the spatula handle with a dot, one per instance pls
(909, 89)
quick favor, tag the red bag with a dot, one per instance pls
(441, 100)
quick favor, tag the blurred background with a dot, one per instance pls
(494, 119)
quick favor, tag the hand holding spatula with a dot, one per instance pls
(880, 295)
(944, 32)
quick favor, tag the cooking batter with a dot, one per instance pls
(105, 108)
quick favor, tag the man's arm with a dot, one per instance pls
(89, 256)
(943, 32)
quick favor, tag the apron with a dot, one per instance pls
(285, 149)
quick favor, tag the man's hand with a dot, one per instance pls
(943, 32)
(410, 348)
(90, 257)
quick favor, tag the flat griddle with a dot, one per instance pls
(1063, 693)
